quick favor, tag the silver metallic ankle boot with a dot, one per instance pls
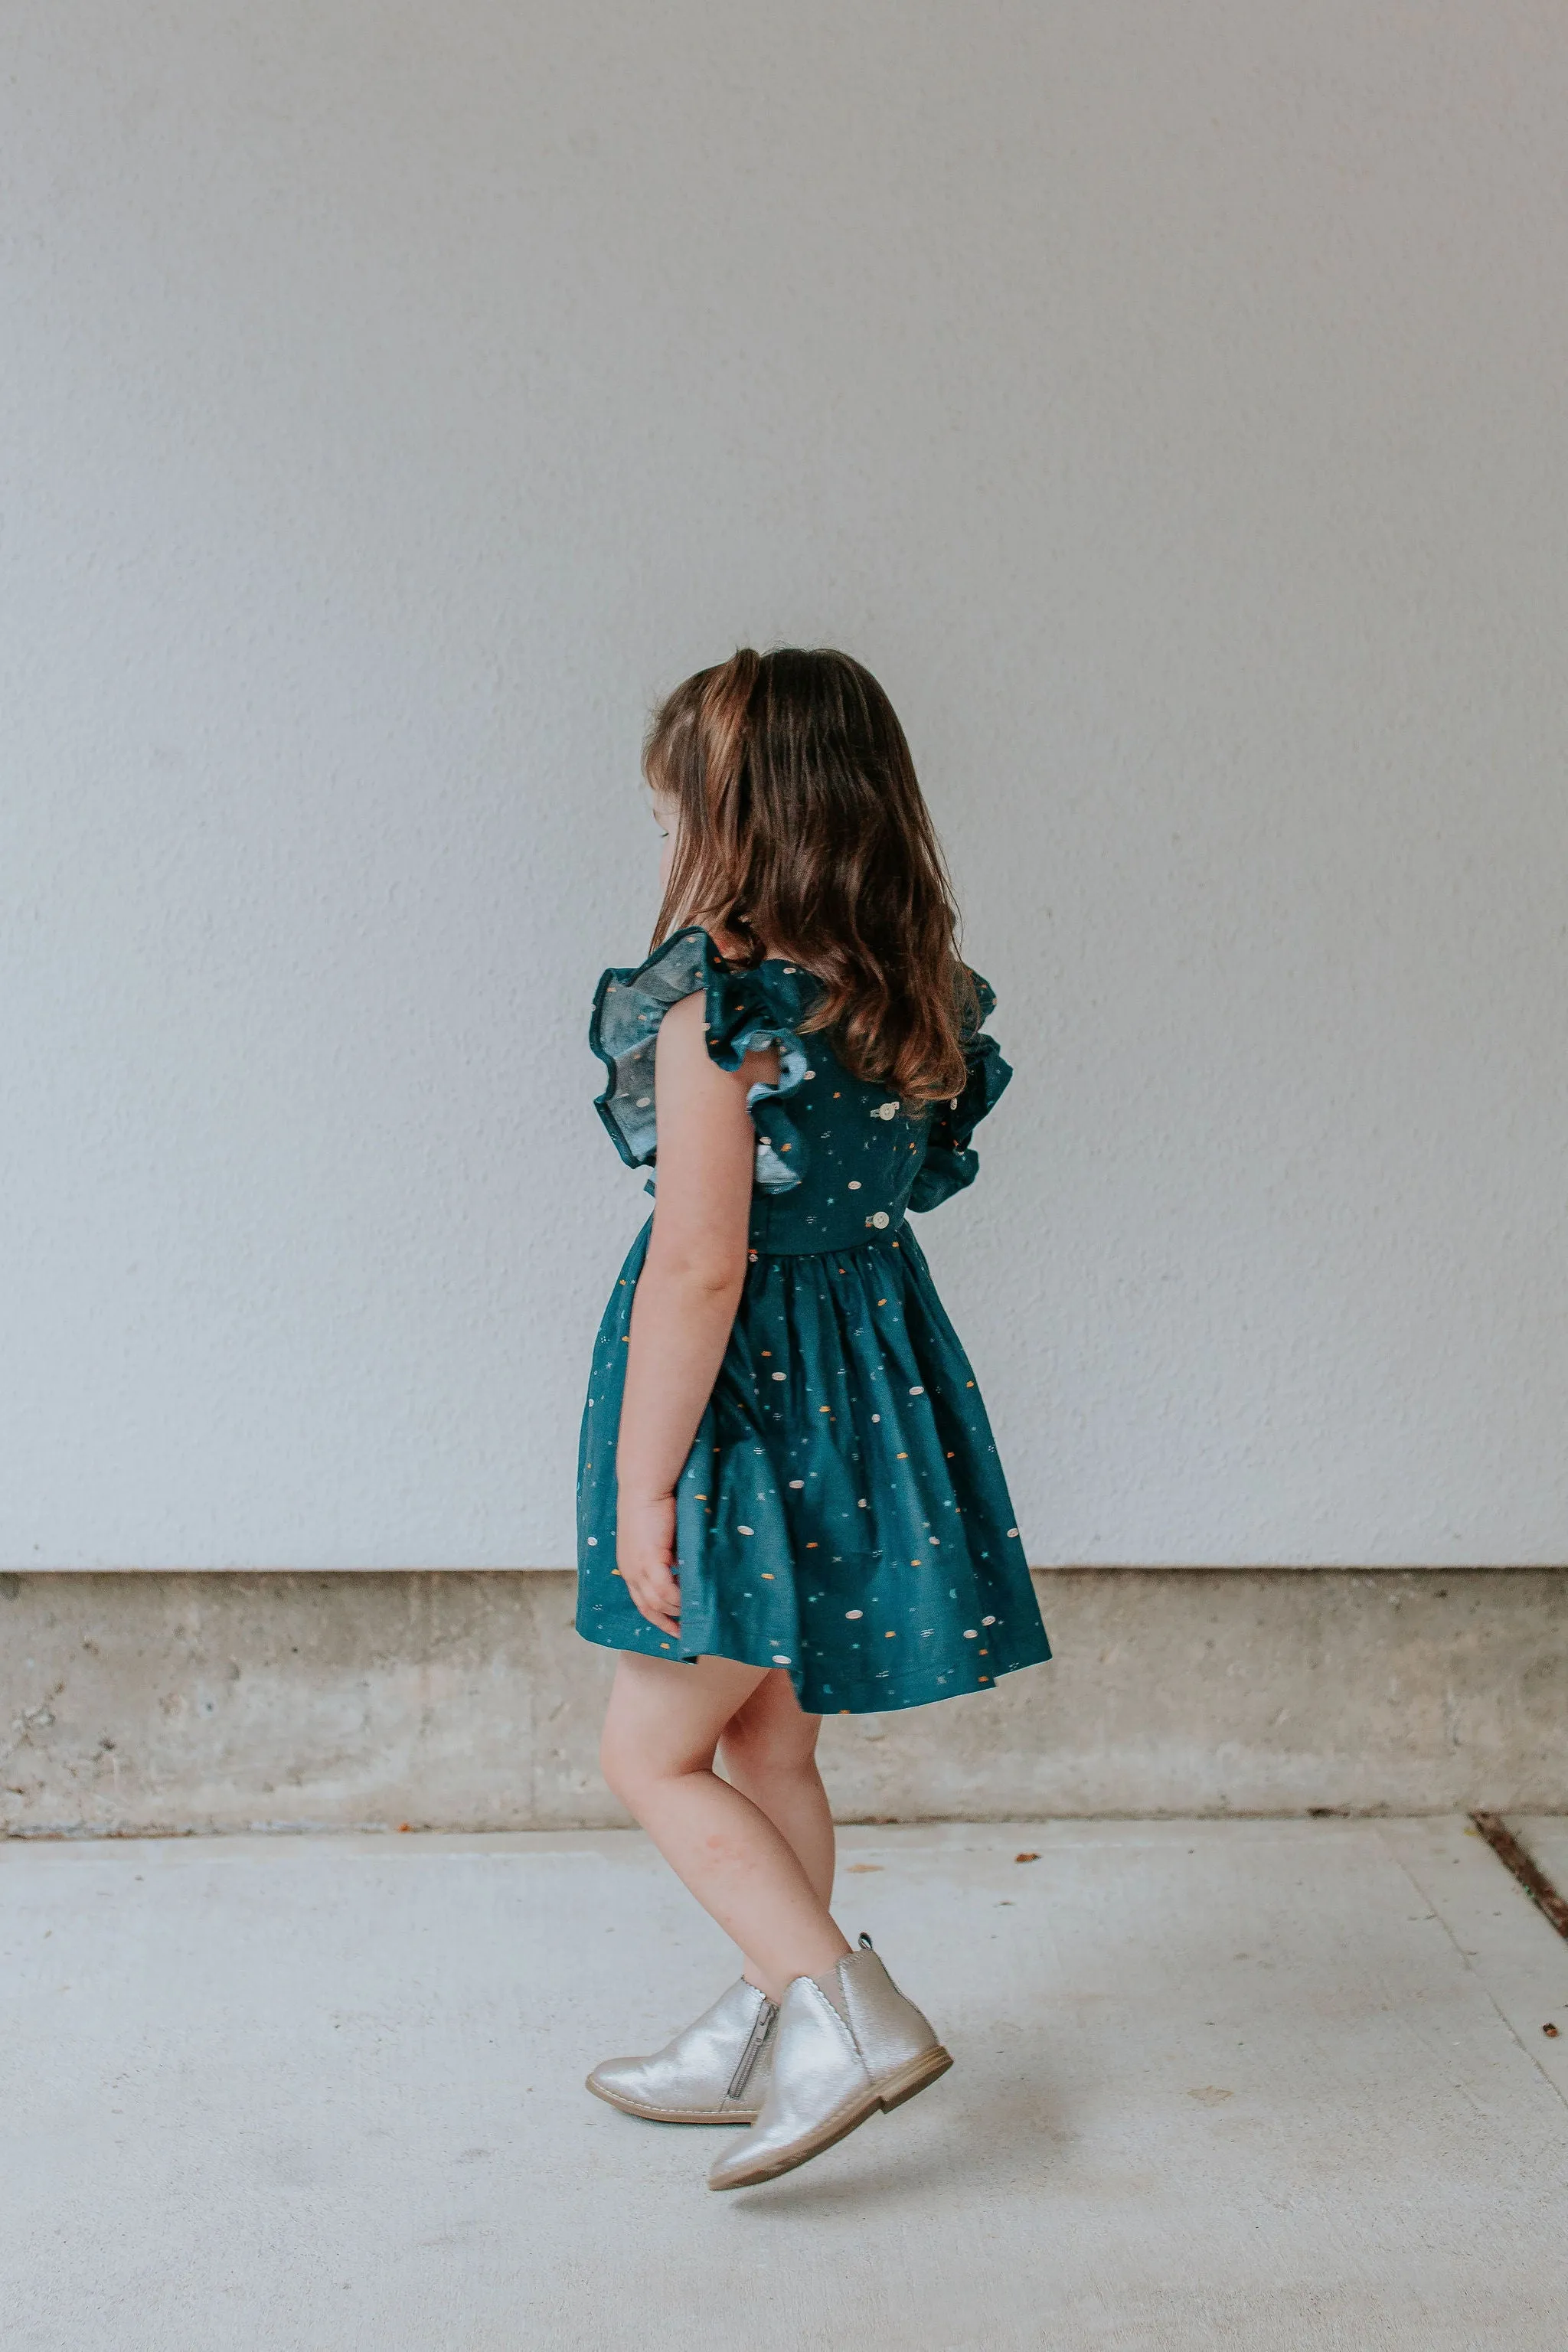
(829, 2075)
(714, 2073)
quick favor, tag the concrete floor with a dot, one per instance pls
(1221, 2083)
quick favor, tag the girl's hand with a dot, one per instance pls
(644, 1554)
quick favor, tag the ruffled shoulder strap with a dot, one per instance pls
(949, 1164)
(743, 1009)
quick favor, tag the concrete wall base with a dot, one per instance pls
(145, 1704)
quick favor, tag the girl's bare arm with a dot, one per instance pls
(687, 1293)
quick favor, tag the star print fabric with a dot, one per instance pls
(842, 1513)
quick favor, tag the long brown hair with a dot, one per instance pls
(801, 832)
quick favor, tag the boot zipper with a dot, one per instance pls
(760, 2031)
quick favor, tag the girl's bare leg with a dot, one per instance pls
(661, 1736)
(769, 1751)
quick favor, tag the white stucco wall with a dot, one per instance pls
(1167, 403)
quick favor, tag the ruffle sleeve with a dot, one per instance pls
(950, 1164)
(743, 1010)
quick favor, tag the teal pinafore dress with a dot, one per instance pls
(842, 1512)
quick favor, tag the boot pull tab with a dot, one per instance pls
(866, 1943)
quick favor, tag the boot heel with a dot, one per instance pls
(919, 2076)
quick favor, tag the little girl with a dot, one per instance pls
(789, 1501)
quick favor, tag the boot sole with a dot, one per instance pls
(918, 2074)
(671, 2115)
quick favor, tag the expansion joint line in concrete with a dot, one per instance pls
(1470, 1956)
(1525, 1868)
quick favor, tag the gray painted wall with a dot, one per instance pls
(1167, 403)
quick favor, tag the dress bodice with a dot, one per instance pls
(840, 1159)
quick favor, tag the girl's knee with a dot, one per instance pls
(769, 1751)
(664, 1721)
(633, 1762)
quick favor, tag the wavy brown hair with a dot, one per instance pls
(801, 832)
